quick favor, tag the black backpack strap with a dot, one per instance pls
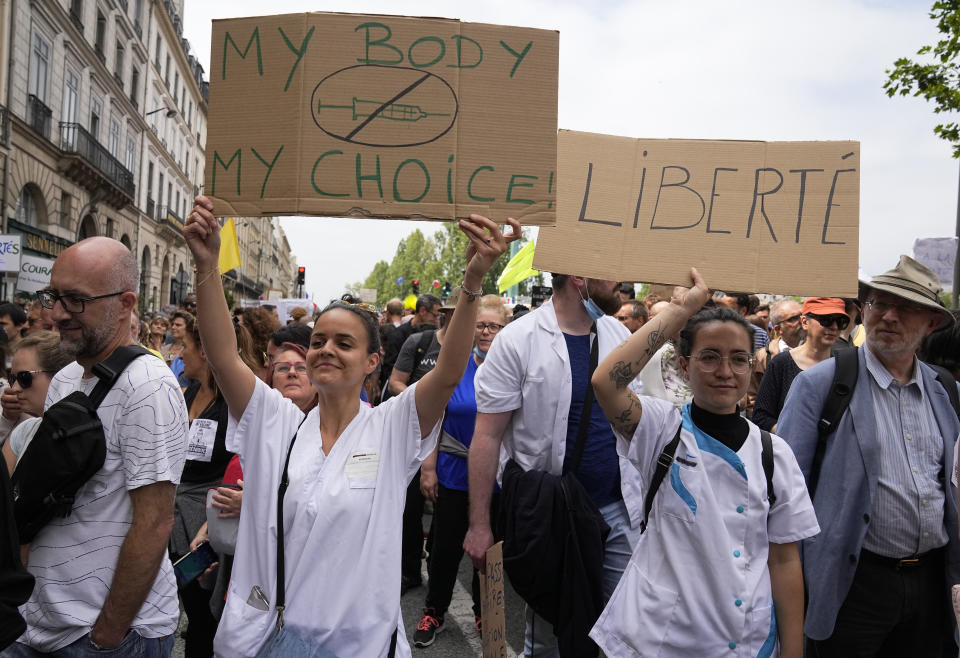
(766, 456)
(281, 599)
(847, 369)
(587, 408)
(949, 383)
(109, 370)
(664, 462)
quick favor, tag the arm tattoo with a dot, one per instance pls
(655, 340)
(625, 423)
(622, 374)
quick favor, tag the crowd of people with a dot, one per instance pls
(696, 471)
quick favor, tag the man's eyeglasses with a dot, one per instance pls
(71, 303)
(190, 304)
(793, 319)
(492, 327)
(709, 361)
(283, 367)
(841, 322)
(883, 307)
(24, 377)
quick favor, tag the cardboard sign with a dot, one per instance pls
(10, 253)
(774, 217)
(382, 116)
(34, 273)
(939, 254)
(491, 605)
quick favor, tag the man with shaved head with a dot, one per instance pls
(103, 578)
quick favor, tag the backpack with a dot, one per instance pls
(66, 451)
(666, 458)
(845, 377)
(426, 337)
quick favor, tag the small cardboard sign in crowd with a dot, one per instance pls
(32, 273)
(398, 117)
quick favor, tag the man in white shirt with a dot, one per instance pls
(530, 394)
(103, 578)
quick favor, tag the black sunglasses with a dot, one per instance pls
(24, 377)
(827, 321)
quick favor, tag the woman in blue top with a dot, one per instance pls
(443, 479)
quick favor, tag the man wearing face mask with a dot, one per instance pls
(545, 356)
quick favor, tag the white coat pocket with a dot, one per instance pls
(679, 493)
(638, 618)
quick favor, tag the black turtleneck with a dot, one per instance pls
(729, 429)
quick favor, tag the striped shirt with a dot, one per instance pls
(907, 517)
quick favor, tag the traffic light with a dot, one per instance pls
(446, 289)
(301, 275)
(416, 286)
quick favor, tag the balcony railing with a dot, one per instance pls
(4, 126)
(38, 116)
(77, 20)
(174, 220)
(74, 139)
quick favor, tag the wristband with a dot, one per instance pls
(472, 295)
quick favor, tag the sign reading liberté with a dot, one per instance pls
(774, 217)
(382, 116)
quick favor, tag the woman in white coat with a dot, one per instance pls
(328, 583)
(717, 571)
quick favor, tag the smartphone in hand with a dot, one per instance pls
(194, 563)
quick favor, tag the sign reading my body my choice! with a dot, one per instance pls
(382, 116)
(774, 217)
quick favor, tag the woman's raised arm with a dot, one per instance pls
(235, 380)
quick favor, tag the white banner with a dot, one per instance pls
(284, 306)
(939, 255)
(34, 273)
(10, 253)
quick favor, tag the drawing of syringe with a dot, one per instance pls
(393, 111)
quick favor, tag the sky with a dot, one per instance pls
(737, 69)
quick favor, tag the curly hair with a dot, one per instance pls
(261, 323)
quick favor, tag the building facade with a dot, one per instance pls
(268, 269)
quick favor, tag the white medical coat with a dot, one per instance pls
(698, 583)
(342, 525)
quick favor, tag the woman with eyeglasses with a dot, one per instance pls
(716, 570)
(317, 568)
(443, 479)
(35, 361)
(822, 319)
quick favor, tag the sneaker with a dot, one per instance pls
(478, 624)
(427, 629)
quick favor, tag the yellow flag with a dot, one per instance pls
(410, 301)
(519, 268)
(229, 248)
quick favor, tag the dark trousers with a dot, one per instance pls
(451, 519)
(890, 612)
(411, 549)
(201, 625)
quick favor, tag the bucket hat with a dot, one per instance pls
(915, 282)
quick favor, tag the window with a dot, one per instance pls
(169, 194)
(101, 34)
(114, 145)
(118, 63)
(76, 8)
(176, 88)
(190, 117)
(96, 115)
(131, 153)
(26, 212)
(66, 208)
(150, 181)
(159, 45)
(134, 84)
(176, 207)
(160, 192)
(39, 67)
(166, 73)
(71, 92)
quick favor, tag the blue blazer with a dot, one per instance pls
(848, 483)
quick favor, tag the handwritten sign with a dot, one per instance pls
(10, 253)
(775, 217)
(382, 116)
(939, 254)
(34, 273)
(491, 605)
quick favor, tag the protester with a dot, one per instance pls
(35, 361)
(530, 393)
(348, 466)
(159, 326)
(716, 551)
(633, 313)
(207, 459)
(822, 319)
(425, 317)
(627, 292)
(663, 377)
(788, 333)
(651, 299)
(190, 303)
(38, 318)
(854, 334)
(12, 320)
(942, 347)
(298, 314)
(878, 577)
(444, 481)
(295, 333)
(103, 576)
(261, 322)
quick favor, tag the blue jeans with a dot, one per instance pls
(538, 639)
(285, 644)
(133, 646)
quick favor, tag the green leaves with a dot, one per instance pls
(937, 81)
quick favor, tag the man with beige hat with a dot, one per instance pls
(878, 574)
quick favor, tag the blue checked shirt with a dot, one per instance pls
(907, 516)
